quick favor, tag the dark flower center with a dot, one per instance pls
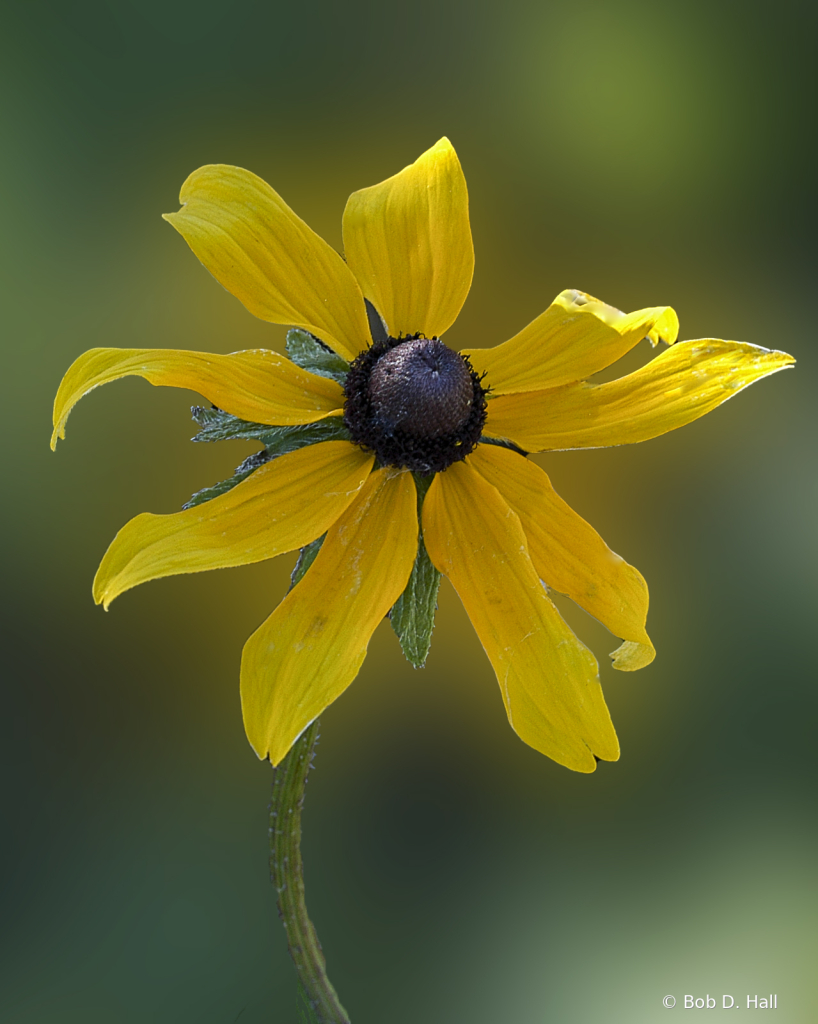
(415, 403)
(421, 387)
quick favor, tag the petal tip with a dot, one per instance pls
(611, 752)
(173, 218)
(261, 752)
(101, 593)
(665, 328)
(631, 655)
(587, 766)
(273, 748)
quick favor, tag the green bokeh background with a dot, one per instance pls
(644, 152)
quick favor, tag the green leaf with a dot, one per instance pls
(218, 426)
(501, 442)
(221, 426)
(413, 614)
(306, 557)
(377, 325)
(250, 464)
(306, 351)
(281, 440)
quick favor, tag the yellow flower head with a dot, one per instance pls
(408, 459)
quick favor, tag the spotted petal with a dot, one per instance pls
(408, 242)
(576, 336)
(676, 387)
(569, 555)
(312, 646)
(548, 679)
(262, 252)
(255, 385)
(283, 505)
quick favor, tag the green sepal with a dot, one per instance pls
(250, 464)
(306, 351)
(283, 440)
(218, 425)
(413, 614)
(306, 556)
(502, 442)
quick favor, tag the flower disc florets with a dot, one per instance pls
(415, 403)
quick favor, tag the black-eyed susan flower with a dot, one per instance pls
(390, 459)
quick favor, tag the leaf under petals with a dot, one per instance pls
(281, 506)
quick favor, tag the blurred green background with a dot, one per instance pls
(644, 152)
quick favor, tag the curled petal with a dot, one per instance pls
(408, 242)
(283, 505)
(569, 555)
(256, 385)
(262, 252)
(312, 646)
(548, 679)
(576, 336)
(676, 387)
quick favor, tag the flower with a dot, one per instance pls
(411, 461)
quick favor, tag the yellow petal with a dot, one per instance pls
(576, 336)
(548, 679)
(408, 242)
(675, 388)
(283, 505)
(312, 646)
(262, 252)
(256, 385)
(569, 555)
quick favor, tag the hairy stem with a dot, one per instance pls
(287, 875)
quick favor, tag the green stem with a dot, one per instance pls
(287, 875)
